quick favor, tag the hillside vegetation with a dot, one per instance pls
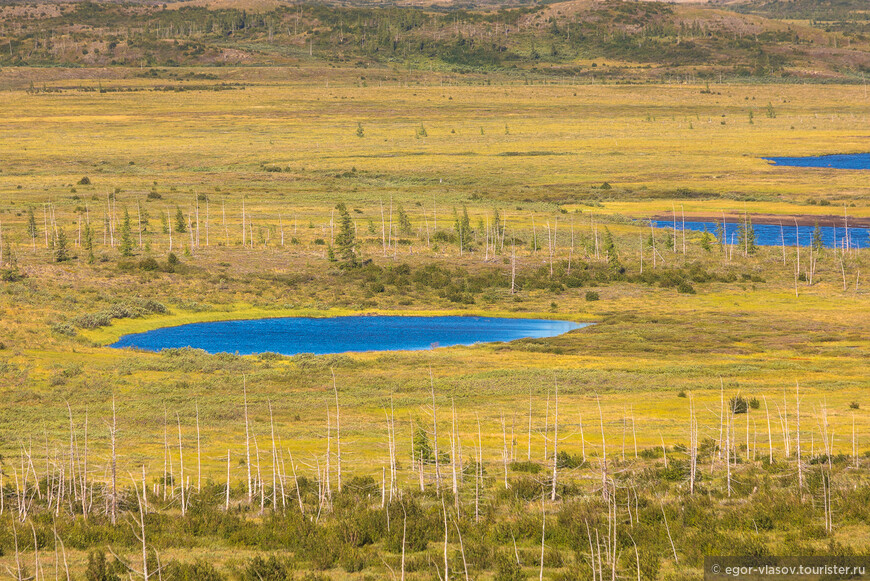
(579, 39)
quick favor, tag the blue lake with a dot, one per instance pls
(836, 161)
(293, 335)
(774, 234)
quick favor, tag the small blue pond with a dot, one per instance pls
(293, 335)
(837, 161)
(776, 235)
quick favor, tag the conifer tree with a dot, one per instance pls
(462, 225)
(720, 236)
(818, 245)
(126, 235)
(180, 227)
(345, 241)
(611, 252)
(60, 250)
(89, 242)
(404, 222)
(32, 230)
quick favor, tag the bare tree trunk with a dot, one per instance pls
(728, 449)
(798, 441)
(296, 483)
(683, 216)
(247, 434)
(478, 473)
(138, 221)
(668, 529)
(165, 453)
(337, 433)
(546, 425)
(274, 461)
(226, 228)
(693, 446)
(603, 452)
(141, 523)
(198, 453)
(328, 489)
(461, 548)
(529, 454)
(446, 566)
(404, 536)
(504, 451)
(181, 466)
(555, 442)
(543, 533)
(227, 505)
(114, 465)
(453, 459)
(435, 435)
(513, 268)
(769, 433)
(550, 243)
(383, 229)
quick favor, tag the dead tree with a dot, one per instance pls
(435, 434)
(113, 432)
(453, 459)
(337, 433)
(198, 449)
(798, 441)
(555, 442)
(247, 434)
(181, 466)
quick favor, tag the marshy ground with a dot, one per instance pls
(553, 178)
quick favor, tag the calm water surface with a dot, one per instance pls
(293, 335)
(836, 161)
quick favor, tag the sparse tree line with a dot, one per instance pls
(556, 252)
(569, 493)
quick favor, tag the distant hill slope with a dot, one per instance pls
(577, 38)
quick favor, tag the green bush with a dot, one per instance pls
(738, 405)
(271, 569)
(196, 571)
(525, 466)
(99, 569)
(507, 568)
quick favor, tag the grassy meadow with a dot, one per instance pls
(565, 167)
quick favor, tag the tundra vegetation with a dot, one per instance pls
(717, 406)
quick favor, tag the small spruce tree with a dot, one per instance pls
(180, 226)
(462, 225)
(818, 245)
(345, 241)
(60, 250)
(126, 235)
(32, 230)
(720, 236)
(89, 242)
(611, 252)
(404, 222)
